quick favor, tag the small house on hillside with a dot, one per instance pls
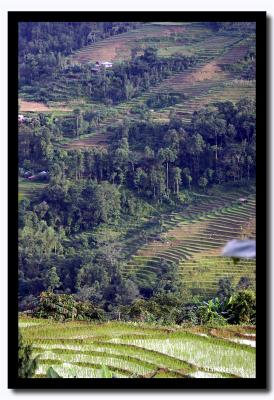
(43, 175)
(99, 64)
(107, 64)
(21, 118)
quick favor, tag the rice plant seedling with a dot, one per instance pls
(135, 349)
(220, 358)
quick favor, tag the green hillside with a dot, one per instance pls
(141, 142)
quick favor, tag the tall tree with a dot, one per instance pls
(53, 279)
(78, 114)
(176, 174)
(187, 177)
(167, 155)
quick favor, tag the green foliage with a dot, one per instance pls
(232, 307)
(105, 372)
(243, 69)
(110, 86)
(53, 279)
(26, 363)
(64, 307)
(162, 100)
(211, 312)
(203, 182)
(87, 204)
(242, 307)
(226, 289)
(51, 373)
(142, 110)
(164, 307)
(150, 54)
(101, 281)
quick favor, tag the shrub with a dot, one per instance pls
(26, 364)
(63, 307)
(242, 307)
(210, 313)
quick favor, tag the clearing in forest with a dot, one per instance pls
(34, 106)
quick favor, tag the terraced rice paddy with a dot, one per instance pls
(194, 239)
(202, 274)
(130, 350)
(118, 48)
(204, 84)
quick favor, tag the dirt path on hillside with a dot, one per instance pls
(32, 106)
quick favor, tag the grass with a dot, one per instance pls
(28, 189)
(79, 349)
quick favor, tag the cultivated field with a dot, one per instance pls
(129, 350)
(34, 106)
(28, 189)
(118, 48)
(194, 239)
(202, 85)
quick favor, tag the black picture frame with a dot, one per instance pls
(261, 380)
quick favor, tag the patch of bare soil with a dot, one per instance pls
(118, 47)
(34, 106)
(108, 52)
(209, 71)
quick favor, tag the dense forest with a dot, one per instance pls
(144, 163)
(147, 168)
